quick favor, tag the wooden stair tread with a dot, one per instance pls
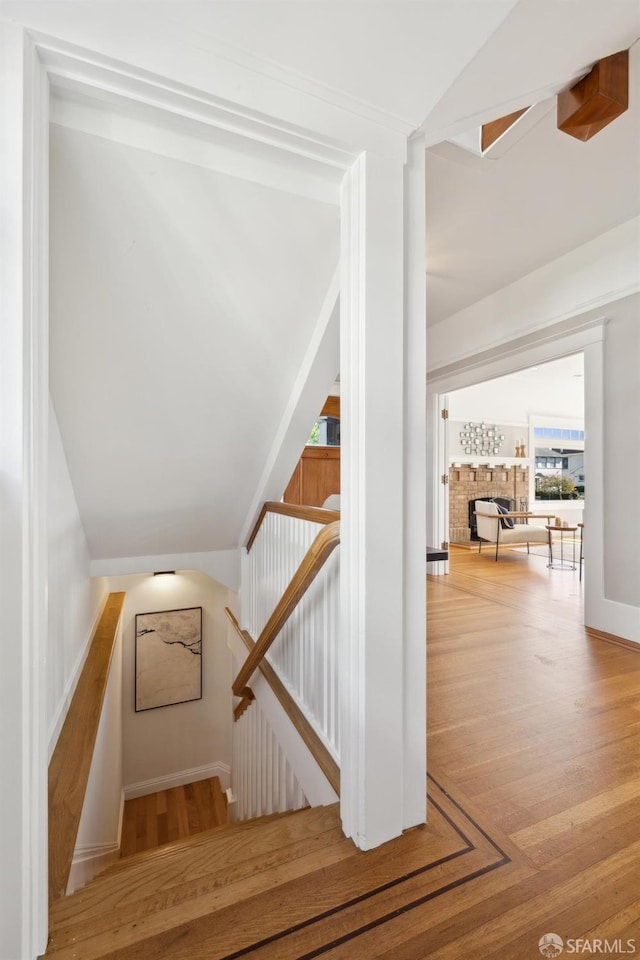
(212, 860)
(132, 925)
(185, 843)
(233, 908)
(176, 813)
(121, 908)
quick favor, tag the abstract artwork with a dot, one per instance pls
(168, 657)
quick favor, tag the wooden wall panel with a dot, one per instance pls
(316, 476)
(331, 407)
(293, 492)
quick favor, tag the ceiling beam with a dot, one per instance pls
(597, 99)
(495, 128)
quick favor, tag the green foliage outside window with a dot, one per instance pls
(556, 487)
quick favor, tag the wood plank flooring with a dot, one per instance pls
(534, 813)
(172, 814)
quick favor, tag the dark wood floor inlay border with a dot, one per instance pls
(468, 847)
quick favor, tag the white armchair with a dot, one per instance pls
(492, 530)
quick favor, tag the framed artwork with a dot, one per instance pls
(168, 658)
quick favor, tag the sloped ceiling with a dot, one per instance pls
(165, 273)
(536, 51)
(492, 221)
(397, 57)
(182, 302)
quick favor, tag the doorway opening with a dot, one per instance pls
(579, 335)
(518, 440)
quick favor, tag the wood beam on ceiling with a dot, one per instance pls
(495, 128)
(597, 99)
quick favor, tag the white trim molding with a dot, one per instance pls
(90, 860)
(178, 779)
(24, 411)
(415, 500)
(544, 343)
(89, 72)
(341, 121)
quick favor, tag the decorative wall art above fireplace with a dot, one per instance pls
(483, 439)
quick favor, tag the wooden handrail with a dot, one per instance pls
(322, 547)
(244, 704)
(308, 735)
(71, 761)
(315, 514)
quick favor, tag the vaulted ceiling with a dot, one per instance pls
(185, 290)
(182, 303)
(491, 220)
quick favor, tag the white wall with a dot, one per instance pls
(158, 252)
(596, 273)
(515, 398)
(75, 599)
(187, 741)
(98, 837)
(622, 453)
(513, 434)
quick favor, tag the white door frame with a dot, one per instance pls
(24, 411)
(45, 61)
(547, 344)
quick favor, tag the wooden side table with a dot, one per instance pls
(561, 564)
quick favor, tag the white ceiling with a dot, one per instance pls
(182, 303)
(553, 390)
(398, 57)
(535, 52)
(492, 221)
(187, 277)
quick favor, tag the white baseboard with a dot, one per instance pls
(144, 787)
(619, 619)
(90, 860)
(70, 687)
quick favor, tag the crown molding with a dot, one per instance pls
(336, 134)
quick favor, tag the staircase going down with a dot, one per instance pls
(212, 889)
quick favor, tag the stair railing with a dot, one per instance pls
(315, 558)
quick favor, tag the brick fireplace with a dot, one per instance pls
(468, 483)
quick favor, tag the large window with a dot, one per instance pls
(325, 433)
(557, 433)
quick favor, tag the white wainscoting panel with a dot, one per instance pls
(262, 779)
(275, 555)
(305, 653)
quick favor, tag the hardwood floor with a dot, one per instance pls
(172, 814)
(534, 814)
